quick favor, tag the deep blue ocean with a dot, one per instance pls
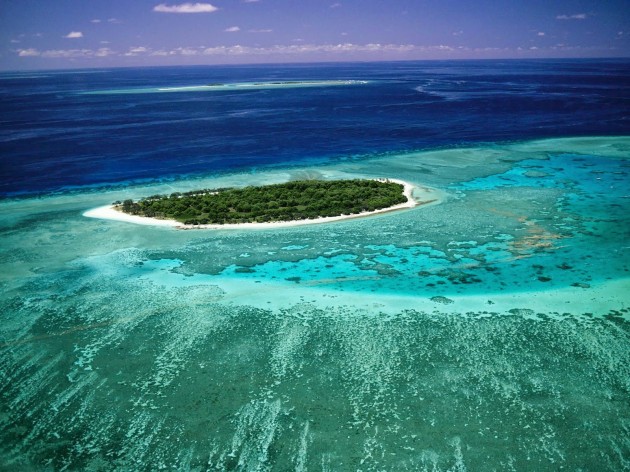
(53, 135)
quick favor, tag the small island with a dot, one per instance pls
(286, 202)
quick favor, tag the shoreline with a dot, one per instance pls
(108, 212)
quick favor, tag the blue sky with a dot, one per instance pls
(42, 34)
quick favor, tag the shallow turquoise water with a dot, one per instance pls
(487, 332)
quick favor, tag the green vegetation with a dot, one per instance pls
(299, 200)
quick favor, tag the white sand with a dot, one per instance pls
(429, 196)
(108, 212)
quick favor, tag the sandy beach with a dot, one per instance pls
(415, 196)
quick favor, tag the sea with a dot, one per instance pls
(486, 329)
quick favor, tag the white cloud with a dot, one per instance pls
(74, 35)
(135, 51)
(15, 41)
(577, 16)
(232, 29)
(238, 50)
(261, 31)
(540, 33)
(251, 1)
(186, 51)
(335, 5)
(341, 48)
(296, 51)
(114, 20)
(458, 33)
(185, 8)
(30, 52)
(161, 52)
(68, 53)
(302, 49)
(104, 52)
(96, 20)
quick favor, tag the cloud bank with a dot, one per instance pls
(577, 16)
(185, 8)
(305, 52)
(66, 53)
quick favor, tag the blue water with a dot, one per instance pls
(54, 136)
(489, 330)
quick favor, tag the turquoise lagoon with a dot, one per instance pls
(489, 331)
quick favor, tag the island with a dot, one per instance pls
(290, 201)
(270, 206)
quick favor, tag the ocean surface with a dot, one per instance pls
(486, 330)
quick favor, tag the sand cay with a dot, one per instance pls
(415, 196)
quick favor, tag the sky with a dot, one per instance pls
(53, 34)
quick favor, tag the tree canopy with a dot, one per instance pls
(297, 200)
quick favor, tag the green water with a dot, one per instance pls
(487, 332)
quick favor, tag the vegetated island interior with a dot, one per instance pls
(291, 201)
